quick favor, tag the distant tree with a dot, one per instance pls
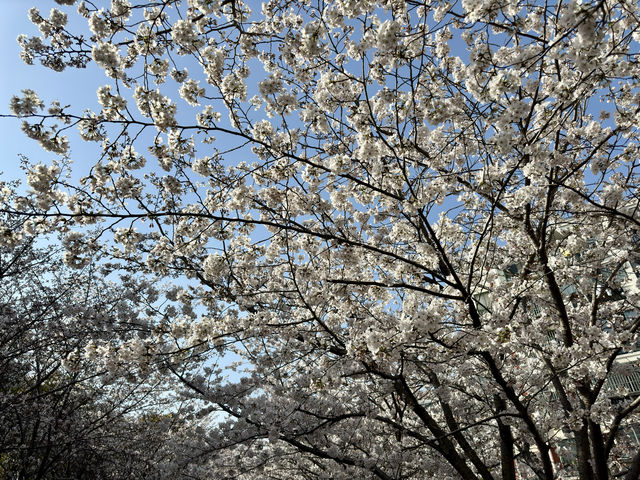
(417, 223)
(62, 415)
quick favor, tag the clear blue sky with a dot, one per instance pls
(71, 86)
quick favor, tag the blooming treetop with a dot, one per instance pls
(345, 183)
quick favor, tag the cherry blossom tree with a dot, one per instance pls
(62, 414)
(413, 222)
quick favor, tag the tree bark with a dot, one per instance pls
(507, 457)
(583, 452)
